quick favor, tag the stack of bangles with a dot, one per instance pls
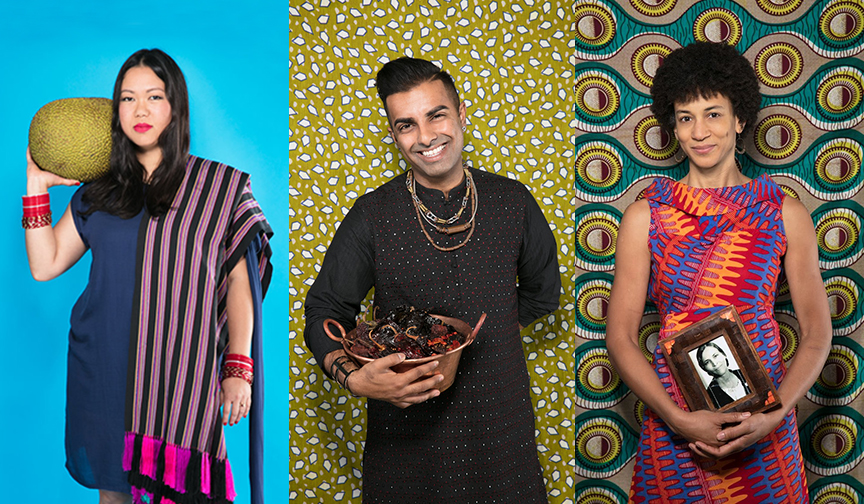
(37, 211)
(337, 365)
(237, 366)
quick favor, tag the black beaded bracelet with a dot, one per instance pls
(345, 383)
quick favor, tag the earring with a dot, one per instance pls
(464, 128)
(738, 147)
(682, 158)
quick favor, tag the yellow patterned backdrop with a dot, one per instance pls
(512, 63)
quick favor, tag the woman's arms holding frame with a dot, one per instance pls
(801, 264)
(626, 306)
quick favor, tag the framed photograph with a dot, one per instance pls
(717, 367)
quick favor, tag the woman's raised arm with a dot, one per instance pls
(51, 250)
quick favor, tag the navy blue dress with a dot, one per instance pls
(99, 350)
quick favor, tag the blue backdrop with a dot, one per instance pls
(236, 66)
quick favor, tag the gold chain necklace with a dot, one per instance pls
(470, 190)
(431, 218)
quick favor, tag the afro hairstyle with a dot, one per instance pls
(705, 69)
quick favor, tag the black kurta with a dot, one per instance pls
(475, 442)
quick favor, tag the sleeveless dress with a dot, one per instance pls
(711, 248)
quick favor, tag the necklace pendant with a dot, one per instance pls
(450, 230)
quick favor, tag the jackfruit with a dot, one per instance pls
(72, 138)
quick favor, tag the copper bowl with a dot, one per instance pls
(447, 363)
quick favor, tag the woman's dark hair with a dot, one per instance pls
(706, 69)
(702, 350)
(403, 74)
(121, 191)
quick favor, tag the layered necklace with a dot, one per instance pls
(443, 225)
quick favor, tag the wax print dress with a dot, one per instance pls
(712, 248)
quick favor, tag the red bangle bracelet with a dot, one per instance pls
(238, 360)
(236, 372)
(37, 205)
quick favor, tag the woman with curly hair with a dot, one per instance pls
(180, 264)
(712, 239)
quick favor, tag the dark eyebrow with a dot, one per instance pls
(685, 111)
(403, 120)
(146, 90)
(437, 109)
(408, 120)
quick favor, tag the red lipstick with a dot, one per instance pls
(142, 127)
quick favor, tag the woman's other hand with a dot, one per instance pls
(236, 397)
(738, 437)
(704, 426)
(39, 180)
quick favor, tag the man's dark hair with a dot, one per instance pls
(706, 69)
(404, 74)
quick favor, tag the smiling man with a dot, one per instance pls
(454, 241)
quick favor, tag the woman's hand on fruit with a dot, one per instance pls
(39, 180)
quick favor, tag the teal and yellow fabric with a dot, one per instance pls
(513, 65)
(808, 58)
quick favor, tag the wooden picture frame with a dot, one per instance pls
(695, 355)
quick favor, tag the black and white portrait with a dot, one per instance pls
(721, 374)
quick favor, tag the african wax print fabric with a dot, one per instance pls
(174, 446)
(712, 248)
(475, 442)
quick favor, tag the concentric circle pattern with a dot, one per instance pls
(646, 60)
(604, 444)
(597, 96)
(717, 25)
(649, 333)
(838, 164)
(835, 444)
(838, 234)
(837, 490)
(841, 379)
(789, 338)
(653, 8)
(653, 141)
(596, 234)
(599, 492)
(779, 7)
(595, 25)
(807, 55)
(598, 385)
(777, 136)
(842, 23)
(844, 301)
(639, 411)
(598, 167)
(592, 302)
(779, 65)
(840, 93)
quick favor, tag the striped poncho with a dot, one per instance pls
(175, 449)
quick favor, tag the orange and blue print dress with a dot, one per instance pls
(712, 248)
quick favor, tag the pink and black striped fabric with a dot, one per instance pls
(175, 448)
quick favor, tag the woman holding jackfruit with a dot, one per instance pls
(161, 337)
